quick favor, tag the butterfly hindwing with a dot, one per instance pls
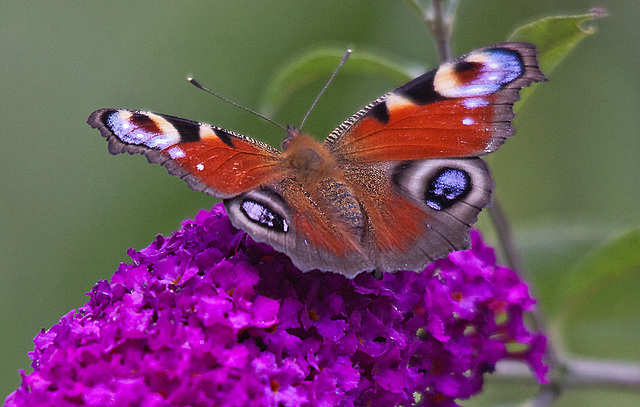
(461, 109)
(419, 210)
(295, 219)
(210, 159)
(381, 216)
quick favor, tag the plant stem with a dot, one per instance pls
(579, 373)
(439, 22)
(505, 237)
(501, 224)
(508, 245)
(440, 29)
(546, 397)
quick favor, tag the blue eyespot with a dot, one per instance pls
(263, 216)
(448, 186)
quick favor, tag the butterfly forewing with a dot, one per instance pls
(210, 159)
(461, 109)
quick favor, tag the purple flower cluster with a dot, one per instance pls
(209, 317)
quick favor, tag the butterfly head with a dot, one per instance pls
(292, 132)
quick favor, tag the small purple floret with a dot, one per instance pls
(209, 317)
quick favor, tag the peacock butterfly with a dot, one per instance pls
(395, 186)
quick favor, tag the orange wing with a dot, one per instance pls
(210, 159)
(461, 109)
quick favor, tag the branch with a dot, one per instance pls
(546, 397)
(578, 373)
(439, 22)
(508, 245)
(603, 373)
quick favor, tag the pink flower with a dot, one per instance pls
(209, 317)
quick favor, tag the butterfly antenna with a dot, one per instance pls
(342, 61)
(199, 86)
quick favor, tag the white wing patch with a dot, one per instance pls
(495, 68)
(396, 101)
(121, 124)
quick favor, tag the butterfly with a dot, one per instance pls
(394, 187)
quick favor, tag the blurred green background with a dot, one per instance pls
(568, 181)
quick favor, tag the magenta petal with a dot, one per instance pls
(265, 312)
(207, 316)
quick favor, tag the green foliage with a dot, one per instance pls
(318, 65)
(555, 37)
(617, 257)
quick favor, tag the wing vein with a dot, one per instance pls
(354, 140)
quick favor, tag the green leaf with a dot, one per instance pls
(620, 256)
(318, 65)
(555, 37)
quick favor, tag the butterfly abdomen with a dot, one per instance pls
(343, 205)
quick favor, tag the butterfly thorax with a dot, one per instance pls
(306, 159)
